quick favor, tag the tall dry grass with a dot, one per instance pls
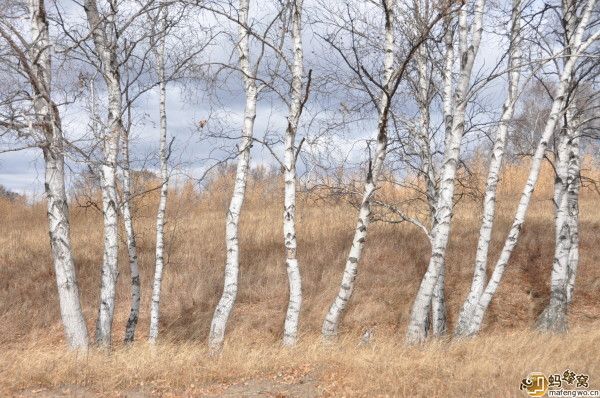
(33, 357)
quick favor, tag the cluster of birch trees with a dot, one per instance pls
(417, 74)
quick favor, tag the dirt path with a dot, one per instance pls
(304, 388)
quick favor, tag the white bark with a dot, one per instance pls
(162, 205)
(417, 328)
(131, 246)
(60, 242)
(109, 263)
(554, 316)
(230, 288)
(58, 211)
(104, 37)
(290, 334)
(438, 305)
(566, 255)
(519, 219)
(438, 324)
(566, 189)
(489, 201)
(574, 184)
(424, 97)
(334, 315)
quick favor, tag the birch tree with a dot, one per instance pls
(417, 328)
(438, 306)
(573, 187)
(230, 288)
(333, 317)
(554, 315)
(416, 144)
(131, 241)
(395, 62)
(163, 23)
(164, 175)
(288, 69)
(567, 166)
(290, 333)
(103, 31)
(577, 48)
(120, 52)
(40, 124)
(574, 125)
(566, 185)
(495, 164)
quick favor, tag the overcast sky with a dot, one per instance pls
(23, 171)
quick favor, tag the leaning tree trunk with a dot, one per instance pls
(131, 246)
(225, 305)
(489, 201)
(230, 288)
(60, 242)
(417, 328)
(164, 189)
(290, 333)
(554, 316)
(334, 315)
(54, 180)
(555, 112)
(513, 235)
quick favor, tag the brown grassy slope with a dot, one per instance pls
(492, 365)
(393, 263)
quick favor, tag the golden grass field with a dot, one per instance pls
(35, 362)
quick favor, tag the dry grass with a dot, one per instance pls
(492, 366)
(32, 355)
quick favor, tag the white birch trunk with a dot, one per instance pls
(334, 315)
(424, 99)
(566, 256)
(574, 184)
(519, 219)
(230, 288)
(489, 201)
(131, 246)
(56, 197)
(290, 334)
(162, 205)
(111, 230)
(60, 242)
(513, 235)
(438, 323)
(104, 42)
(554, 315)
(438, 305)
(417, 328)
